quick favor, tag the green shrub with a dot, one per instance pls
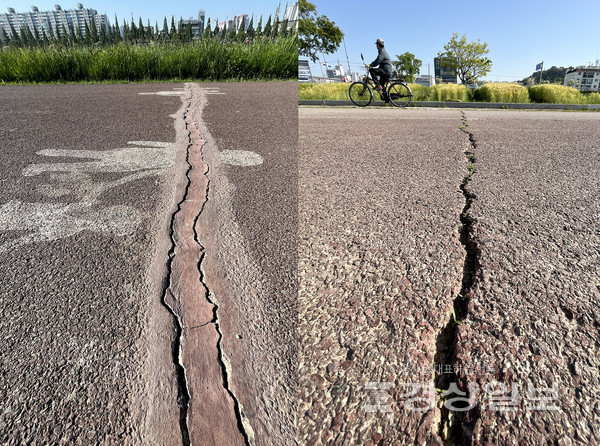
(502, 92)
(450, 92)
(555, 94)
(420, 92)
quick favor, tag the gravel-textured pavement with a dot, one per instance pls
(249, 228)
(533, 321)
(380, 265)
(85, 352)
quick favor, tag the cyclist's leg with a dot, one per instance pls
(376, 73)
(384, 79)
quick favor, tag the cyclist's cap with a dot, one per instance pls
(379, 42)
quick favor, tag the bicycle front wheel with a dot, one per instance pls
(360, 93)
(399, 94)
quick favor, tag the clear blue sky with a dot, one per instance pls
(156, 10)
(520, 34)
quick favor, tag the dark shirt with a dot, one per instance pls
(383, 61)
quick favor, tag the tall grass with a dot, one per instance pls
(450, 92)
(208, 59)
(560, 94)
(502, 92)
(331, 92)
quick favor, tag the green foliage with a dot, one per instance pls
(560, 94)
(502, 92)
(420, 92)
(407, 66)
(466, 58)
(207, 60)
(450, 92)
(554, 75)
(317, 34)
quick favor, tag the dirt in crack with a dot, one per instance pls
(183, 395)
(244, 429)
(450, 426)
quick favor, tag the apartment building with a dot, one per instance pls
(52, 22)
(584, 78)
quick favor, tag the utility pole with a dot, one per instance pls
(348, 60)
(541, 69)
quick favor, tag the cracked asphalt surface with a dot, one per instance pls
(379, 268)
(324, 265)
(76, 316)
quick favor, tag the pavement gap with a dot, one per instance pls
(242, 422)
(450, 427)
(183, 395)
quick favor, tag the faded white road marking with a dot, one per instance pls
(241, 158)
(126, 159)
(163, 93)
(52, 221)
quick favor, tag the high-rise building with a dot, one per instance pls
(52, 22)
(291, 15)
(197, 25)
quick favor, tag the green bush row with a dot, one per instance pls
(501, 92)
(207, 60)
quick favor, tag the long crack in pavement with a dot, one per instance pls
(224, 362)
(209, 409)
(450, 425)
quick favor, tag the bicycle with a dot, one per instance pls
(361, 92)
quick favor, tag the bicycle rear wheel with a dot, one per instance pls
(399, 94)
(360, 93)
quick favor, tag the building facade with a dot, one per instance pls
(447, 75)
(197, 25)
(583, 78)
(291, 15)
(52, 22)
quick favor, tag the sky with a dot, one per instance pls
(156, 10)
(520, 34)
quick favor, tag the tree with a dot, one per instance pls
(407, 66)
(250, 30)
(173, 30)
(267, 30)
(317, 34)
(165, 31)
(207, 30)
(467, 59)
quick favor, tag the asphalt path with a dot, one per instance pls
(148, 240)
(534, 315)
(380, 265)
(381, 270)
(82, 328)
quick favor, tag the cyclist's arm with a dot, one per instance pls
(377, 61)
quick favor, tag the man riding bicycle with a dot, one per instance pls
(383, 71)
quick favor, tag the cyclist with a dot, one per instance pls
(383, 71)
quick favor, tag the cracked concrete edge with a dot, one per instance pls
(155, 406)
(485, 105)
(237, 285)
(209, 414)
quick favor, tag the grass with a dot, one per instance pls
(502, 92)
(450, 92)
(262, 59)
(560, 94)
(491, 92)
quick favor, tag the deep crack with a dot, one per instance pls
(183, 395)
(244, 428)
(450, 426)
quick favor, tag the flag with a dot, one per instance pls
(539, 66)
